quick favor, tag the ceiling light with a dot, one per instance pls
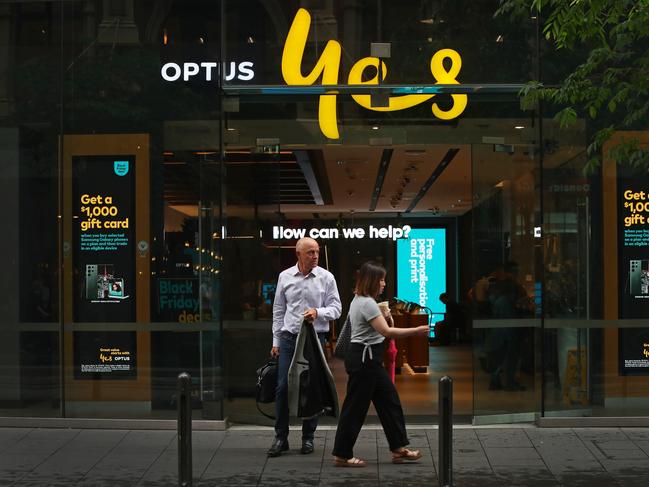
(519, 127)
(375, 127)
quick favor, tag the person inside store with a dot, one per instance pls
(368, 381)
(453, 326)
(509, 301)
(305, 292)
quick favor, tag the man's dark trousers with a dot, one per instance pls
(286, 351)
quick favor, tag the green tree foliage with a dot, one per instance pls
(611, 84)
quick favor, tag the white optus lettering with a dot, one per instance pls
(208, 71)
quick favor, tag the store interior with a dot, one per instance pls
(327, 188)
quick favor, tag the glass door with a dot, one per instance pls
(506, 295)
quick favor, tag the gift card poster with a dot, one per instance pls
(104, 234)
(421, 268)
(633, 268)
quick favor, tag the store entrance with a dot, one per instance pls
(406, 206)
(387, 182)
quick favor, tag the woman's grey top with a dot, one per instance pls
(363, 310)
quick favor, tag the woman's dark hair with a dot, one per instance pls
(368, 280)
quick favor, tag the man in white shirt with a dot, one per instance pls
(304, 292)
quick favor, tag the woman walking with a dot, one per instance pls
(368, 380)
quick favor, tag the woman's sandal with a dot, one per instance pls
(404, 455)
(348, 462)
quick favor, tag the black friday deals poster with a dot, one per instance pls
(633, 269)
(104, 234)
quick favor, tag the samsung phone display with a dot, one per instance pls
(104, 234)
(633, 269)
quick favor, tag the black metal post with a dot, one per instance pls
(446, 432)
(184, 395)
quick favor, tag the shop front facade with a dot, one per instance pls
(162, 158)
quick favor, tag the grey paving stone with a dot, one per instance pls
(10, 436)
(506, 437)
(417, 479)
(70, 463)
(626, 467)
(346, 481)
(165, 467)
(32, 450)
(131, 457)
(525, 477)
(106, 482)
(227, 465)
(528, 457)
(586, 479)
(161, 481)
(618, 449)
(600, 434)
(252, 439)
(636, 434)
(471, 463)
(45, 483)
(643, 445)
(236, 457)
(560, 464)
(630, 481)
(461, 479)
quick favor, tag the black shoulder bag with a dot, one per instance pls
(266, 384)
(344, 339)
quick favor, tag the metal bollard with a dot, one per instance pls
(184, 395)
(446, 432)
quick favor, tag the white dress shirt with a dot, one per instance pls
(297, 293)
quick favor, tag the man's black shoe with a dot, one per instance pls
(307, 447)
(277, 448)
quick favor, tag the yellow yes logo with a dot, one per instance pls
(328, 66)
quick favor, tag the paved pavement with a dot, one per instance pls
(485, 457)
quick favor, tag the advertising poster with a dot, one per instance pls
(105, 355)
(178, 300)
(633, 268)
(421, 267)
(104, 234)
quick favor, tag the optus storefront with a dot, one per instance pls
(162, 158)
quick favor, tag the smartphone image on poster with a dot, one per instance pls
(638, 277)
(91, 281)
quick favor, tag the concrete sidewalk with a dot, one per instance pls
(487, 456)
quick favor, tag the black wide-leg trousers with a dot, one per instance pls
(368, 381)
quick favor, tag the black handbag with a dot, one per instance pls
(266, 384)
(344, 340)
